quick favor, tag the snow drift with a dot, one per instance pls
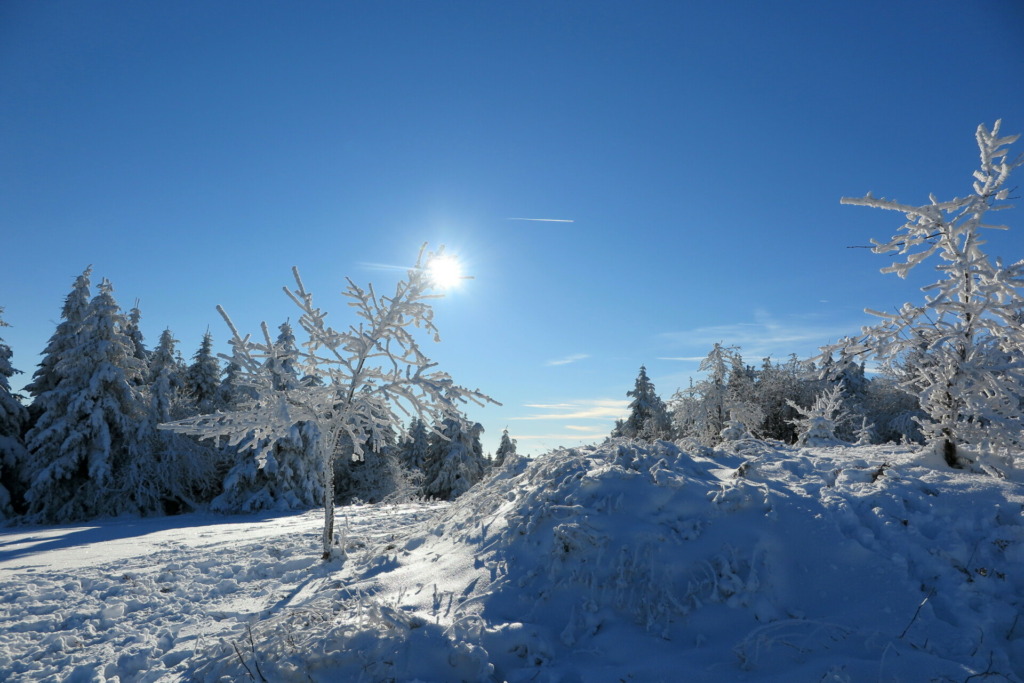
(643, 562)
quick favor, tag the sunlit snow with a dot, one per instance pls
(625, 561)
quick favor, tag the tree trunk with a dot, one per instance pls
(328, 477)
(949, 451)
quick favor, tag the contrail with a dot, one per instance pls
(543, 220)
(383, 266)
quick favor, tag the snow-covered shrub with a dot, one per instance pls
(865, 433)
(734, 431)
(817, 425)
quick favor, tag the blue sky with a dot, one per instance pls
(194, 151)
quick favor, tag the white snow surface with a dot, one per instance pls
(623, 561)
(135, 599)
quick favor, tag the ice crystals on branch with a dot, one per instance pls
(962, 351)
(355, 384)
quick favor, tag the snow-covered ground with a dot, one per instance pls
(135, 599)
(618, 562)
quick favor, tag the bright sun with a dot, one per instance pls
(445, 272)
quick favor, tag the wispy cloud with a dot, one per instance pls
(596, 435)
(549, 406)
(568, 359)
(596, 409)
(544, 220)
(767, 335)
(550, 425)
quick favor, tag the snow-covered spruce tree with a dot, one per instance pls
(380, 477)
(13, 417)
(231, 391)
(203, 377)
(456, 459)
(414, 453)
(506, 449)
(416, 445)
(134, 332)
(366, 375)
(965, 341)
(166, 379)
(817, 425)
(88, 423)
(173, 472)
(648, 417)
(289, 478)
(72, 315)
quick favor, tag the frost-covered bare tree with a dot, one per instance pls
(703, 410)
(360, 380)
(962, 351)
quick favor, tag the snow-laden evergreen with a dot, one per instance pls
(290, 476)
(134, 332)
(172, 472)
(962, 351)
(416, 448)
(76, 304)
(232, 391)
(779, 383)
(455, 461)
(360, 380)
(166, 379)
(88, 423)
(733, 393)
(506, 450)
(380, 476)
(203, 377)
(13, 417)
(648, 418)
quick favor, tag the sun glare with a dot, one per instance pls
(445, 272)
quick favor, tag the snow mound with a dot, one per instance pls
(643, 562)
